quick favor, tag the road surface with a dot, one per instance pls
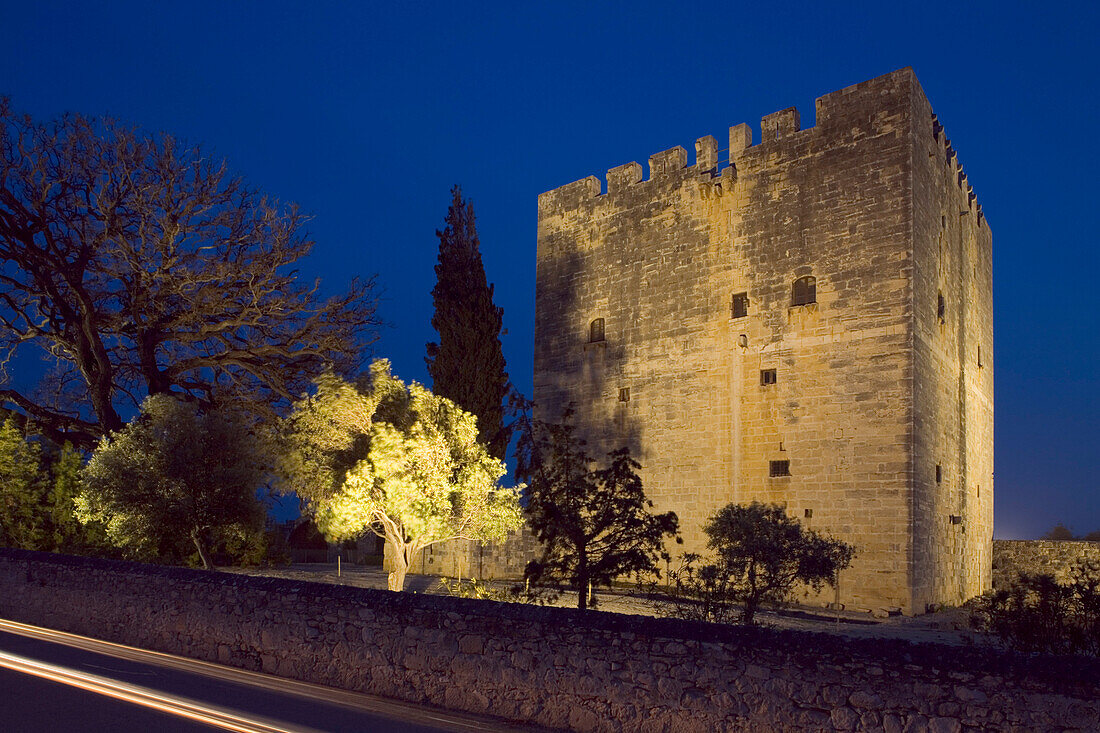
(52, 681)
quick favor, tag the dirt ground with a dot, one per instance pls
(946, 627)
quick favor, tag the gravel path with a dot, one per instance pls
(945, 627)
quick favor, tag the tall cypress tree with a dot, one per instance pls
(467, 365)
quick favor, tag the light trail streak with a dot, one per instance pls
(360, 701)
(172, 704)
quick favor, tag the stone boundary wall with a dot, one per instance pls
(550, 666)
(1012, 557)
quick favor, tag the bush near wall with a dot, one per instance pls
(551, 666)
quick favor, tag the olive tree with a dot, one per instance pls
(397, 460)
(761, 555)
(176, 474)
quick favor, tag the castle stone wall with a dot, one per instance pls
(678, 375)
(953, 373)
(482, 560)
(562, 668)
(1038, 557)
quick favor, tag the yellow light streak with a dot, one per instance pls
(358, 701)
(138, 695)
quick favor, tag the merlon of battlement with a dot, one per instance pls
(666, 161)
(706, 153)
(622, 176)
(779, 124)
(740, 139)
(839, 113)
(572, 194)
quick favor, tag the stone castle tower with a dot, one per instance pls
(809, 322)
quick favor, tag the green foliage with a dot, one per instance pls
(595, 525)
(175, 476)
(482, 590)
(249, 546)
(760, 556)
(37, 484)
(697, 591)
(396, 460)
(1039, 614)
(23, 507)
(467, 365)
(69, 535)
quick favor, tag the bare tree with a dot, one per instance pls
(137, 265)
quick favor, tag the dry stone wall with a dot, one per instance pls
(1012, 557)
(555, 667)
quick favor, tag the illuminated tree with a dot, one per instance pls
(595, 525)
(178, 474)
(137, 265)
(467, 365)
(396, 460)
(761, 555)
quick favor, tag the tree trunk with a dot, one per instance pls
(749, 611)
(396, 579)
(582, 592)
(752, 597)
(196, 537)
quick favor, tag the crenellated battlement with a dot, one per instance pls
(841, 118)
(951, 159)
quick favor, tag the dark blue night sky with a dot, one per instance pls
(366, 114)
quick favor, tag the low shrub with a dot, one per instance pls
(1039, 614)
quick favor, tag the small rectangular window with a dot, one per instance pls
(740, 306)
(624, 394)
(939, 474)
(956, 519)
(941, 308)
(767, 376)
(779, 468)
(809, 513)
(979, 356)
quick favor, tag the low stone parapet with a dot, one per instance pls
(556, 667)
